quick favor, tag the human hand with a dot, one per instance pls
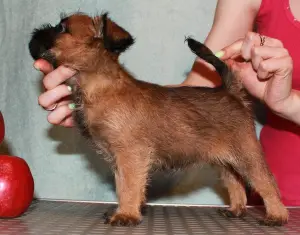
(56, 98)
(267, 72)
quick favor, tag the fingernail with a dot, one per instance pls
(69, 88)
(219, 54)
(71, 106)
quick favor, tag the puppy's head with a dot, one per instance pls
(79, 41)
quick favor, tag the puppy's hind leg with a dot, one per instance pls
(131, 178)
(236, 191)
(254, 168)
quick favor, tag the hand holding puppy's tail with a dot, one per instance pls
(229, 82)
(206, 54)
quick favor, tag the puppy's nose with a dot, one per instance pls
(42, 40)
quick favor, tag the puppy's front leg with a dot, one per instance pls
(131, 178)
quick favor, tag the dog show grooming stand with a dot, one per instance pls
(76, 218)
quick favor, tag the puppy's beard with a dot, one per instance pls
(48, 56)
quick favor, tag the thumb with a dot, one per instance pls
(43, 66)
(230, 51)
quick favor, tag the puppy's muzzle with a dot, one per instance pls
(41, 41)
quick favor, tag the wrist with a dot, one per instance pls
(290, 108)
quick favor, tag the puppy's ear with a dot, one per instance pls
(115, 38)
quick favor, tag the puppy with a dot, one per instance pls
(141, 127)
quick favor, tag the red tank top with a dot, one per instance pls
(280, 138)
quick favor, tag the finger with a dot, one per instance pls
(43, 66)
(262, 53)
(59, 115)
(231, 51)
(68, 122)
(60, 103)
(254, 40)
(244, 46)
(51, 97)
(280, 67)
(261, 39)
(263, 74)
(57, 77)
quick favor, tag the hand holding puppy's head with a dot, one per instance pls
(79, 41)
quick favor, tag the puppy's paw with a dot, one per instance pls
(123, 220)
(279, 217)
(272, 222)
(230, 213)
(109, 213)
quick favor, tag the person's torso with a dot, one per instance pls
(280, 138)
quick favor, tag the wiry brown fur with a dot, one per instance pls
(142, 127)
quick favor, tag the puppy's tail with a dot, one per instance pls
(229, 82)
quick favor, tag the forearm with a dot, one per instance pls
(227, 28)
(202, 74)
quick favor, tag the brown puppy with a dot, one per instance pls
(142, 127)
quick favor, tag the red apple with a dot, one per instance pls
(2, 129)
(16, 186)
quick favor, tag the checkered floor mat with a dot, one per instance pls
(74, 218)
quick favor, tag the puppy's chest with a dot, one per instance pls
(89, 114)
(79, 116)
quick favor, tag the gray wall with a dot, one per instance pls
(61, 164)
